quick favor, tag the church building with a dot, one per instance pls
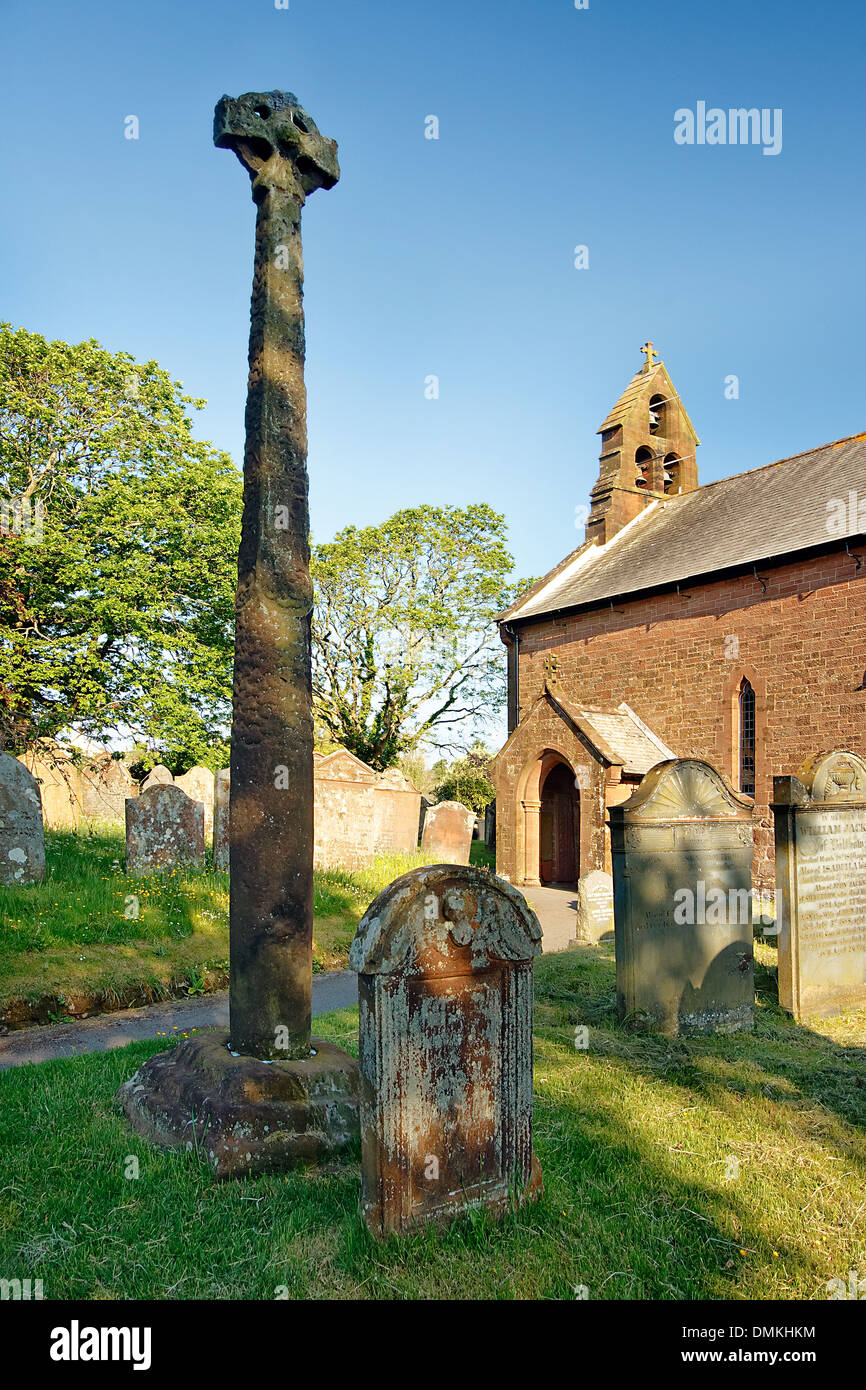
(723, 621)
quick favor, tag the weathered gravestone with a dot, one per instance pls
(266, 1095)
(164, 830)
(447, 833)
(22, 838)
(444, 957)
(105, 787)
(682, 869)
(158, 776)
(199, 784)
(594, 907)
(820, 820)
(222, 788)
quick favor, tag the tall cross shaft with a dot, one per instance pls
(271, 797)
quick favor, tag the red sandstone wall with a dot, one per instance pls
(546, 732)
(802, 645)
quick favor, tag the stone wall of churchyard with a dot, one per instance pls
(678, 660)
(359, 812)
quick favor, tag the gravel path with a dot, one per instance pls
(335, 989)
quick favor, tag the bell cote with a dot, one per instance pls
(648, 451)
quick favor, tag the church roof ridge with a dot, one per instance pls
(589, 553)
(721, 525)
(776, 463)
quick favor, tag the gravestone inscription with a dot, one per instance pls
(444, 957)
(682, 849)
(820, 832)
(105, 786)
(594, 907)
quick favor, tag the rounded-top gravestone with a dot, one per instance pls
(22, 838)
(444, 957)
(199, 784)
(164, 830)
(158, 776)
(447, 833)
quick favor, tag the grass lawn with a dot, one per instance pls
(72, 943)
(731, 1167)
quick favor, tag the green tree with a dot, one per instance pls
(468, 780)
(405, 647)
(119, 617)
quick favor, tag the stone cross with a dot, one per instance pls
(271, 810)
(648, 352)
(551, 674)
(266, 1095)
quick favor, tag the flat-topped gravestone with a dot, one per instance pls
(22, 838)
(820, 830)
(594, 908)
(222, 787)
(158, 776)
(105, 787)
(199, 784)
(682, 850)
(447, 833)
(164, 830)
(444, 957)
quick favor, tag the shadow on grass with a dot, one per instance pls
(635, 1136)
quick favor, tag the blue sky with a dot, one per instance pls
(455, 257)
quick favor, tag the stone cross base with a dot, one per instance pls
(242, 1115)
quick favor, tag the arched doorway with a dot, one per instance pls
(559, 830)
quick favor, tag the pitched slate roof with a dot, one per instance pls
(751, 517)
(616, 733)
(635, 746)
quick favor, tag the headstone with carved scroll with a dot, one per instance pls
(820, 828)
(444, 957)
(682, 868)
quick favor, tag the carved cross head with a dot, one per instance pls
(277, 142)
(551, 674)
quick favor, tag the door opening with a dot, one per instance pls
(560, 827)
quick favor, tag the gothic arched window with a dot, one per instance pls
(747, 738)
